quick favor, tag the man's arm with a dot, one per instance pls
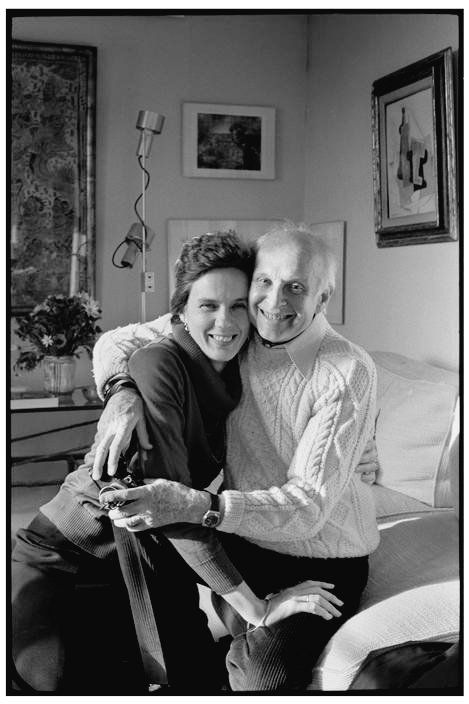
(114, 348)
(124, 409)
(322, 467)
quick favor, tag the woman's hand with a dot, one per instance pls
(123, 413)
(308, 597)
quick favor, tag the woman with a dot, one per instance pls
(189, 383)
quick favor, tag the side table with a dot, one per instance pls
(73, 402)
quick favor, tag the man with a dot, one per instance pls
(292, 503)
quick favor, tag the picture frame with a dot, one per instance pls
(52, 223)
(180, 231)
(228, 141)
(414, 154)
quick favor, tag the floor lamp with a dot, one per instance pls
(149, 124)
(140, 236)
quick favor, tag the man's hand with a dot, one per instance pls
(159, 503)
(123, 413)
(369, 463)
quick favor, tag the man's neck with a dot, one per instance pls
(269, 344)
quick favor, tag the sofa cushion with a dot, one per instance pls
(412, 594)
(415, 412)
(393, 503)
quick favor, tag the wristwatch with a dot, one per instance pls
(212, 517)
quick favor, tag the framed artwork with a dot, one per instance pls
(180, 231)
(228, 141)
(414, 154)
(52, 172)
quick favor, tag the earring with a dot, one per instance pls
(186, 327)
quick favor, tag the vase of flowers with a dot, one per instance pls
(56, 331)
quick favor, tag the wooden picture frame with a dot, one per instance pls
(180, 231)
(53, 97)
(228, 141)
(414, 154)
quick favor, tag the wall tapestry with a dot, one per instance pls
(52, 171)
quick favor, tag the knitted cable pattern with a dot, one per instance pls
(306, 500)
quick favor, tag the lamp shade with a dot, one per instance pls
(134, 243)
(149, 123)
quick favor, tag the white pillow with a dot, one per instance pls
(394, 503)
(416, 403)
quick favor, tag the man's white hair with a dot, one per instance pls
(323, 260)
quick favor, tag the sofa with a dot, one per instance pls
(413, 589)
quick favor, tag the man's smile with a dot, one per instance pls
(275, 316)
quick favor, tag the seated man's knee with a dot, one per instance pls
(255, 663)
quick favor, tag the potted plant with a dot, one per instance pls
(56, 331)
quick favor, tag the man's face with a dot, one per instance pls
(284, 296)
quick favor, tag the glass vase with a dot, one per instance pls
(59, 374)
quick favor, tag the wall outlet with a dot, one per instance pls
(149, 282)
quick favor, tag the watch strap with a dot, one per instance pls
(214, 501)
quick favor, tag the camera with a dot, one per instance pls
(129, 474)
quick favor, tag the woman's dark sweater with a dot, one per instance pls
(186, 405)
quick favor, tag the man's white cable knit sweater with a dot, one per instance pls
(294, 442)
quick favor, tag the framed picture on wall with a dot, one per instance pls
(228, 141)
(180, 231)
(414, 154)
(53, 90)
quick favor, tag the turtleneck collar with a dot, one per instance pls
(224, 385)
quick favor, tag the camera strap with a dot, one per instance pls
(130, 560)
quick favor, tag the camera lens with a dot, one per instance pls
(108, 504)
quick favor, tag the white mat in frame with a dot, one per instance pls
(179, 231)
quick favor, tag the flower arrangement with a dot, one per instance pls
(60, 326)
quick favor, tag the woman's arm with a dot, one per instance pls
(308, 597)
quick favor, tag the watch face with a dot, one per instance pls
(211, 519)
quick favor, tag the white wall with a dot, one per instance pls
(402, 299)
(157, 63)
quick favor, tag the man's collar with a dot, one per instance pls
(303, 349)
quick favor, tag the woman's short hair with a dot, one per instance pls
(201, 254)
